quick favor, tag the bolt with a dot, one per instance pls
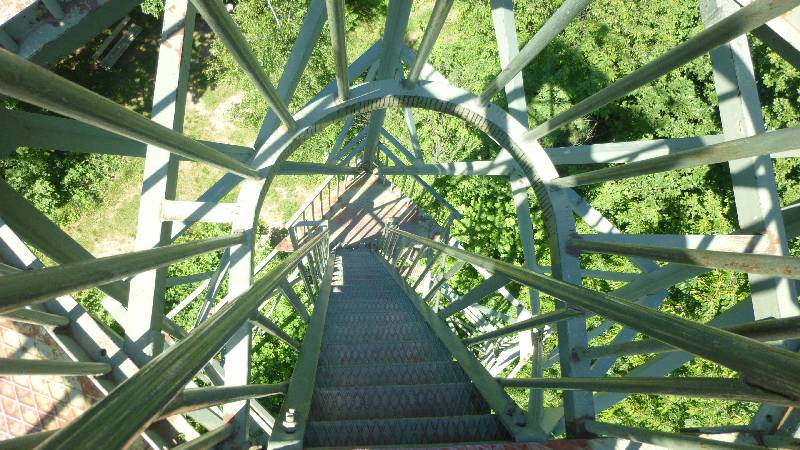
(289, 422)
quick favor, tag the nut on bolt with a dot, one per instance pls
(290, 421)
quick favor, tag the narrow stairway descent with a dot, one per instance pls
(383, 376)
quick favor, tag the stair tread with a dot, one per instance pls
(404, 431)
(403, 373)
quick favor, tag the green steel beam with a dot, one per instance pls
(771, 368)
(780, 266)
(758, 145)
(562, 17)
(36, 286)
(112, 423)
(742, 21)
(27, 442)
(35, 317)
(336, 23)
(440, 10)
(485, 288)
(304, 45)
(309, 168)
(717, 388)
(15, 366)
(663, 439)
(225, 28)
(49, 132)
(209, 439)
(761, 330)
(273, 330)
(198, 398)
(534, 322)
(40, 232)
(487, 168)
(38, 86)
(301, 387)
(393, 33)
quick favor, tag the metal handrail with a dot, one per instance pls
(761, 365)
(111, 423)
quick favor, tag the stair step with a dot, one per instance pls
(357, 319)
(427, 430)
(377, 353)
(377, 306)
(371, 375)
(382, 402)
(378, 332)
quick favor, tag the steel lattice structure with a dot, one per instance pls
(153, 377)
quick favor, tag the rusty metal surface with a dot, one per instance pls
(29, 404)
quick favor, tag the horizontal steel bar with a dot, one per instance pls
(48, 132)
(36, 286)
(718, 388)
(199, 398)
(487, 168)
(35, 317)
(780, 266)
(738, 23)
(745, 243)
(48, 367)
(771, 368)
(534, 322)
(662, 438)
(626, 152)
(308, 168)
(187, 279)
(758, 145)
(476, 294)
(221, 22)
(209, 439)
(188, 211)
(762, 330)
(112, 423)
(36, 85)
(554, 25)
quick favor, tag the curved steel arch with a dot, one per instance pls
(500, 126)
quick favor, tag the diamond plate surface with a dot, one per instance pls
(401, 374)
(405, 431)
(29, 404)
(378, 332)
(395, 352)
(378, 402)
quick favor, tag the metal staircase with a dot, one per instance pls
(392, 355)
(383, 375)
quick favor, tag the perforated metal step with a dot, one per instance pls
(402, 374)
(378, 402)
(425, 430)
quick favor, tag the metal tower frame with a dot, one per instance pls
(153, 382)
